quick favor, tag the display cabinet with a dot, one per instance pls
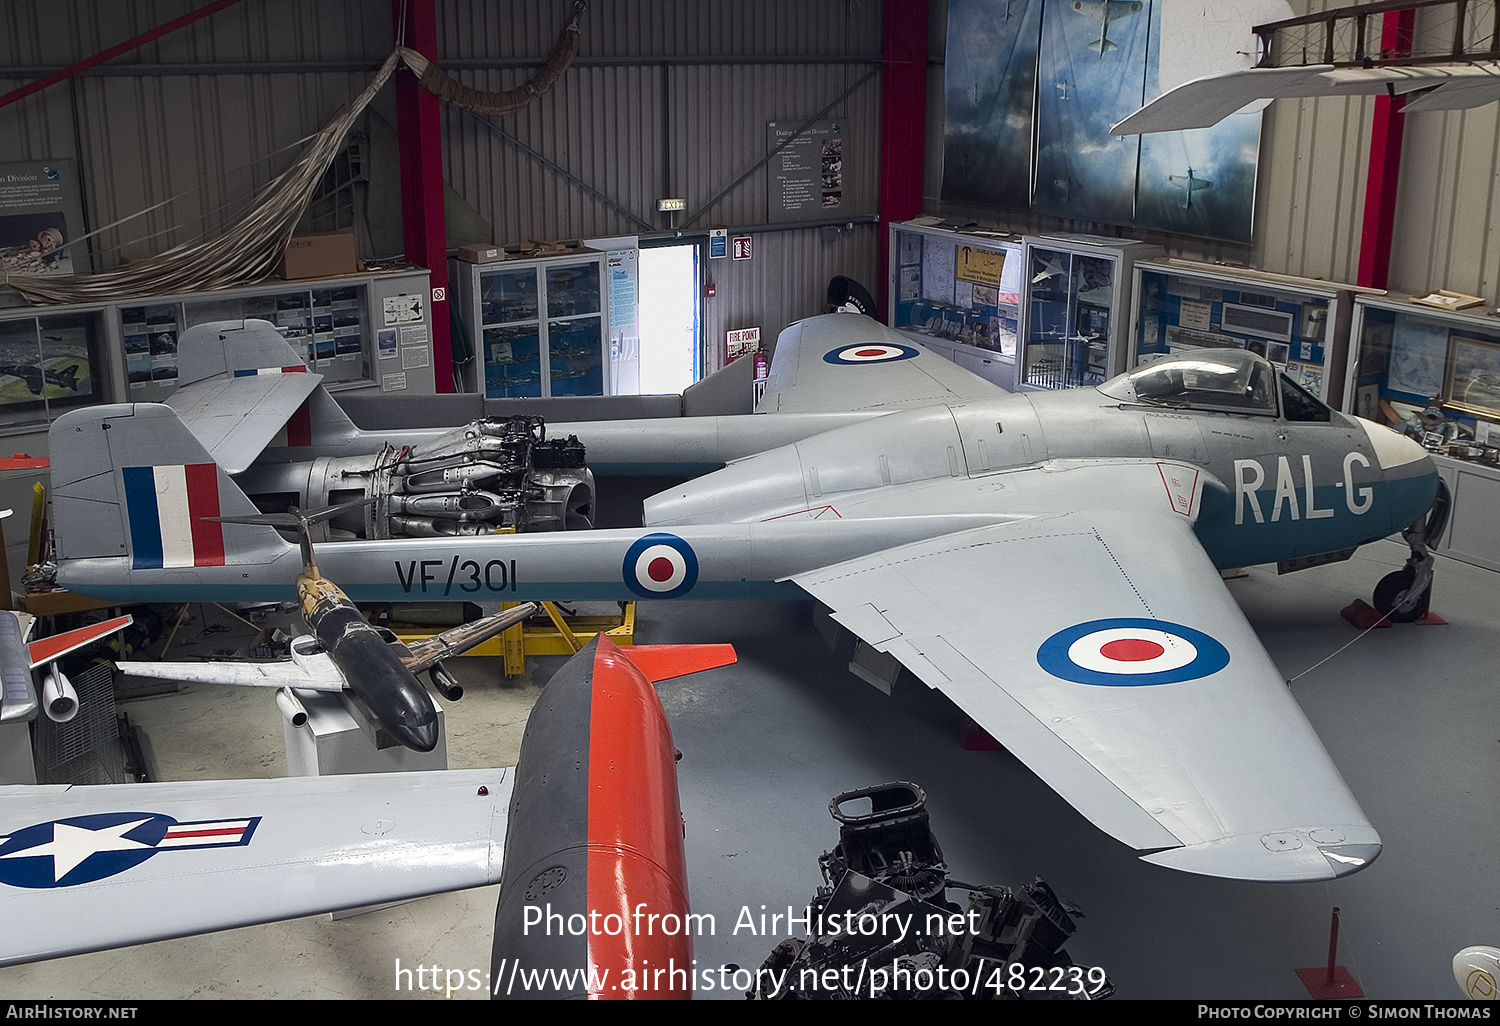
(1299, 324)
(539, 325)
(51, 360)
(1436, 374)
(959, 294)
(357, 331)
(1077, 294)
(352, 330)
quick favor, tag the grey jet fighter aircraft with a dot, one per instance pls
(1049, 561)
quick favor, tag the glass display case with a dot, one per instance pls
(1299, 324)
(343, 328)
(959, 294)
(1077, 291)
(1434, 373)
(540, 325)
(50, 363)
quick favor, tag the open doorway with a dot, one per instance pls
(670, 317)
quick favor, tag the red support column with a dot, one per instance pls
(1385, 162)
(420, 139)
(903, 123)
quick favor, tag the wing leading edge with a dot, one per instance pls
(1103, 649)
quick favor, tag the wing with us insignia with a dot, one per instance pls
(90, 868)
(1093, 637)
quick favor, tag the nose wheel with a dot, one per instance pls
(1403, 596)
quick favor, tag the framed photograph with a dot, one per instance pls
(1473, 375)
(1367, 402)
(1473, 381)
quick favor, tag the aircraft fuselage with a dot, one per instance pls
(372, 670)
(1258, 489)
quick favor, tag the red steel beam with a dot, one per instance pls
(420, 142)
(115, 51)
(903, 124)
(1385, 162)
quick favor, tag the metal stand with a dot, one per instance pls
(1331, 981)
(337, 739)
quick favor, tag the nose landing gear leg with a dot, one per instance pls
(1403, 596)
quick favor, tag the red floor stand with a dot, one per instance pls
(975, 738)
(1331, 981)
(1362, 616)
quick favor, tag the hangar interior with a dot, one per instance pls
(612, 213)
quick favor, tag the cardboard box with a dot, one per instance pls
(484, 254)
(318, 256)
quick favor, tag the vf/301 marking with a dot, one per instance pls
(468, 576)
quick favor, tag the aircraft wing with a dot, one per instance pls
(89, 868)
(314, 673)
(845, 362)
(1103, 650)
(44, 650)
(237, 416)
(421, 655)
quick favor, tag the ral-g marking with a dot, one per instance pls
(82, 849)
(1249, 475)
(869, 352)
(1127, 652)
(660, 566)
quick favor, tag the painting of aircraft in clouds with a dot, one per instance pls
(1105, 11)
(1192, 183)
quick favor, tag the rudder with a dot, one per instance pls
(131, 480)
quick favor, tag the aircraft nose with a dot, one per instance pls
(420, 737)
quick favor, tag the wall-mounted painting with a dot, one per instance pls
(1033, 86)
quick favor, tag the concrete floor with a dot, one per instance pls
(1407, 714)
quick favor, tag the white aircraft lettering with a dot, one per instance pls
(1245, 489)
(1286, 490)
(1313, 512)
(1250, 475)
(1365, 494)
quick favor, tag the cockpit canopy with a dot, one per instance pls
(1234, 380)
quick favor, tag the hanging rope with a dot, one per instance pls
(436, 81)
(250, 250)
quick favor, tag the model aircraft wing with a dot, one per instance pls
(235, 417)
(44, 650)
(89, 868)
(313, 673)
(1102, 648)
(421, 655)
(843, 362)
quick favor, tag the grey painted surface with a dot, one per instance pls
(766, 743)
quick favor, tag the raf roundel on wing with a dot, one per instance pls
(869, 352)
(1127, 652)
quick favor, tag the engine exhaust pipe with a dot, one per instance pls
(445, 683)
(292, 709)
(58, 697)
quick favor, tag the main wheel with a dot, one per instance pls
(1391, 586)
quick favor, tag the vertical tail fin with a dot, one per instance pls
(132, 481)
(231, 348)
